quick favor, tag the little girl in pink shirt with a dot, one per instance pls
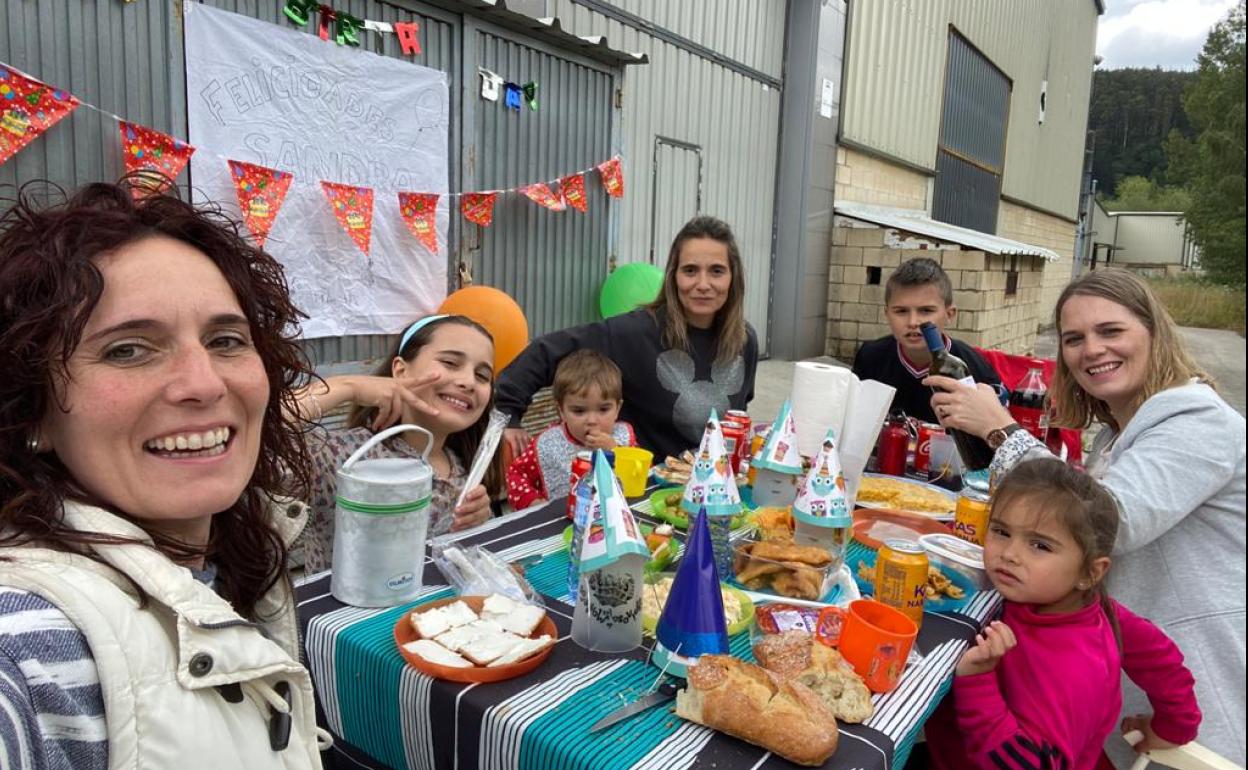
(1041, 688)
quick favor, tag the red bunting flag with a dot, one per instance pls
(541, 194)
(27, 109)
(419, 212)
(152, 153)
(260, 193)
(478, 207)
(612, 177)
(353, 208)
(573, 188)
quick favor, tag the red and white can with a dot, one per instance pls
(736, 441)
(923, 449)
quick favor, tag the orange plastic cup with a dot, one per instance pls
(874, 638)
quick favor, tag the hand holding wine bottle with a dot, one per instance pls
(963, 407)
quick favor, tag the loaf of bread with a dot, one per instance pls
(756, 705)
(797, 656)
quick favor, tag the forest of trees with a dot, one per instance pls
(1132, 113)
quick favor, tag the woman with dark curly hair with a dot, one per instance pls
(148, 454)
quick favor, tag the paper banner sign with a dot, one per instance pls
(490, 84)
(612, 177)
(542, 195)
(150, 152)
(260, 192)
(821, 498)
(478, 207)
(353, 208)
(529, 90)
(573, 189)
(712, 485)
(611, 532)
(512, 96)
(27, 109)
(419, 212)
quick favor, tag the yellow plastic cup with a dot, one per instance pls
(632, 466)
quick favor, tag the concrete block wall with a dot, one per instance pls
(867, 179)
(986, 317)
(1024, 224)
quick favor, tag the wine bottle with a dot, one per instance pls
(974, 451)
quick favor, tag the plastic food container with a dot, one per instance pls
(955, 554)
(781, 576)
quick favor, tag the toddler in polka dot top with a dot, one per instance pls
(588, 392)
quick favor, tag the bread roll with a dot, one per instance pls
(755, 705)
(797, 656)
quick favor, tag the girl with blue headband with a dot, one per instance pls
(440, 377)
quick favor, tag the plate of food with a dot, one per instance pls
(946, 590)
(475, 638)
(659, 540)
(909, 495)
(873, 526)
(665, 505)
(675, 470)
(738, 609)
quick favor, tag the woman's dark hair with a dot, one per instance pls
(731, 336)
(49, 286)
(464, 443)
(1050, 487)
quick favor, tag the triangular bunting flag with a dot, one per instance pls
(478, 207)
(573, 189)
(353, 208)
(261, 192)
(542, 195)
(612, 177)
(157, 157)
(419, 212)
(27, 109)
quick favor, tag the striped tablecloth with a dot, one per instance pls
(385, 714)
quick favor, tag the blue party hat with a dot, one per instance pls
(693, 618)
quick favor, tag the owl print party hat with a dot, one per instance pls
(779, 453)
(611, 532)
(712, 485)
(821, 499)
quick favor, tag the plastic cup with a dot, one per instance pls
(607, 617)
(875, 639)
(632, 466)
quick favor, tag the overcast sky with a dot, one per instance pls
(1156, 33)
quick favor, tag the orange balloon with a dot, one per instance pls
(498, 313)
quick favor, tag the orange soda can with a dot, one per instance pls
(756, 445)
(900, 577)
(970, 517)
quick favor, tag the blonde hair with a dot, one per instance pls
(729, 325)
(1169, 365)
(583, 370)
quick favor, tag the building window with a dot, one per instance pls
(1011, 283)
(873, 276)
(970, 154)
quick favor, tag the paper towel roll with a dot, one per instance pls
(869, 406)
(820, 396)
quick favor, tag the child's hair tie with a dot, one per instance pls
(417, 326)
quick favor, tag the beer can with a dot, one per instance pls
(581, 465)
(901, 576)
(923, 449)
(970, 517)
(736, 440)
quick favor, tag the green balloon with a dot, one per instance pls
(637, 283)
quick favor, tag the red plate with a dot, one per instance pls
(404, 633)
(867, 519)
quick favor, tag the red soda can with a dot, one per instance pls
(736, 441)
(742, 418)
(923, 450)
(890, 457)
(581, 464)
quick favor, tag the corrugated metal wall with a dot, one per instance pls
(734, 118)
(896, 67)
(1149, 239)
(552, 264)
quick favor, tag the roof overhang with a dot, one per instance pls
(549, 30)
(920, 224)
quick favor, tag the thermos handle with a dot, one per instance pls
(385, 434)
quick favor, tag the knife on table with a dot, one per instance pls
(666, 692)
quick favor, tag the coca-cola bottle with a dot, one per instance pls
(1027, 403)
(974, 451)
